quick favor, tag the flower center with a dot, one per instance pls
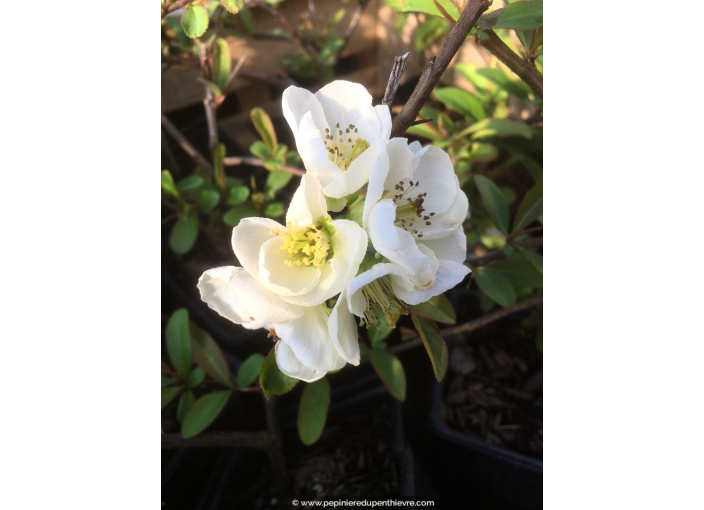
(308, 245)
(410, 211)
(381, 300)
(344, 148)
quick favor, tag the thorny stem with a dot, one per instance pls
(436, 66)
(525, 70)
(185, 144)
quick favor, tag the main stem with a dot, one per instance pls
(525, 70)
(437, 65)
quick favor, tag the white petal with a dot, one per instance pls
(415, 146)
(451, 247)
(290, 365)
(237, 296)
(446, 222)
(436, 177)
(308, 203)
(384, 115)
(356, 300)
(343, 331)
(349, 244)
(248, 238)
(357, 174)
(296, 102)
(448, 275)
(396, 244)
(283, 279)
(348, 103)
(309, 338)
(311, 147)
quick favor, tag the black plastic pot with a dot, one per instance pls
(473, 474)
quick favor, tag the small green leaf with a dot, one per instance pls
(203, 412)
(194, 21)
(390, 371)
(277, 181)
(168, 394)
(167, 381)
(196, 377)
(427, 130)
(531, 207)
(274, 210)
(534, 258)
(222, 63)
(496, 127)
(184, 233)
(178, 342)
(260, 150)
(208, 199)
(434, 344)
(238, 195)
(189, 183)
(488, 20)
(234, 6)
(219, 167)
(502, 80)
(209, 356)
(167, 183)
(519, 271)
(265, 128)
(272, 380)
(428, 7)
(184, 405)
(235, 215)
(249, 370)
(521, 16)
(461, 101)
(496, 286)
(313, 410)
(494, 201)
(214, 88)
(437, 308)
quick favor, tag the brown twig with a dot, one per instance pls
(218, 440)
(444, 12)
(233, 75)
(209, 102)
(361, 4)
(436, 66)
(476, 261)
(173, 6)
(185, 144)
(275, 448)
(472, 325)
(525, 70)
(394, 79)
(246, 160)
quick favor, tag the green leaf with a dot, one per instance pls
(328, 52)
(502, 80)
(519, 271)
(496, 286)
(430, 31)
(277, 181)
(521, 16)
(167, 183)
(496, 127)
(249, 370)
(209, 356)
(427, 130)
(390, 371)
(168, 394)
(222, 63)
(488, 20)
(531, 207)
(434, 344)
(196, 377)
(167, 381)
(194, 21)
(184, 405)
(313, 410)
(274, 210)
(234, 215)
(184, 233)
(494, 201)
(219, 167)
(469, 72)
(461, 101)
(260, 150)
(234, 6)
(178, 342)
(217, 91)
(428, 7)
(208, 199)
(238, 195)
(189, 183)
(265, 128)
(272, 380)
(534, 258)
(437, 308)
(203, 412)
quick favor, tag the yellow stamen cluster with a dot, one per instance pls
(308, 246)
(344, 148)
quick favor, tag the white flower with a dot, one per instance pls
(309, 260)
(340, 136)
(304, 347)
(414, 214)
